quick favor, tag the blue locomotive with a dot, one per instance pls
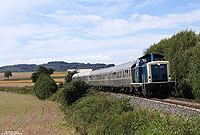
(148, 76)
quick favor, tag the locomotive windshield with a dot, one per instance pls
(158, 58)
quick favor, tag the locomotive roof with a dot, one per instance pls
(149, 55)
(113, 69)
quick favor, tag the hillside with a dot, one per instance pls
(55, 65)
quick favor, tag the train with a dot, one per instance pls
(148, 76)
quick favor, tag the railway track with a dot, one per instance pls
(178, 106)
(180, 101)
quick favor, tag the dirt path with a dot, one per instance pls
(24, 114)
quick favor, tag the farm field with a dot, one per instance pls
(22, 79)
(28, 115)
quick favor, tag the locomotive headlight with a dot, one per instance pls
(149, 79)
(169, 77)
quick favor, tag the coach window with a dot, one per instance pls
(118, 74)
(114, 75)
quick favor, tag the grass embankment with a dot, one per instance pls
(98, 113)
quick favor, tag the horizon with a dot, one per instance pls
(89, 31)
(54, 61)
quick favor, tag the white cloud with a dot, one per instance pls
(119, 27)
(148, 2)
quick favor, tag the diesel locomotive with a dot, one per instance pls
(148, 76)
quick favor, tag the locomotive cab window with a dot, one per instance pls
(159, 59)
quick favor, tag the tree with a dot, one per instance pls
(7, 74)
(44, 87)
(50, 71)
(194, 75)
(34, 77)
(41, 70)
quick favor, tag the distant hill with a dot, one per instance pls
(55, 65)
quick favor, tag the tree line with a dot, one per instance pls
(182, 50)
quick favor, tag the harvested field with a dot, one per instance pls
(23, 79)
(17, 75)
(56, 74)
(26, 115)
(15, 84)
(59, 79)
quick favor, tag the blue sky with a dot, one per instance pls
(90, 31)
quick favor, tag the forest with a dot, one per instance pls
(182, 50)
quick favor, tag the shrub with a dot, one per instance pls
(72, 92)
(68, 78)
(44, 87)
(60, 85)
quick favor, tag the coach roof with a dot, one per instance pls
(113, 69)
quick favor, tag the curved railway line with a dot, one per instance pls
(178, 106)
(180, 101)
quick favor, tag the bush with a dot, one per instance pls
(72, 92)
(44, 87)
(68, 78)
(61, 85)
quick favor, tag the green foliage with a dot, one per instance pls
(68, 78)
(71, 93)
(41, 70)
(61, 85)
(44, 87)
(194, 75)
(34, 77)
(101, 114)
(180, 51)
(7, 73)
(44, 70)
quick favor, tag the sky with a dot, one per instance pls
(89, 31)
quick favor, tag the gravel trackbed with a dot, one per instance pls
(26, 115)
